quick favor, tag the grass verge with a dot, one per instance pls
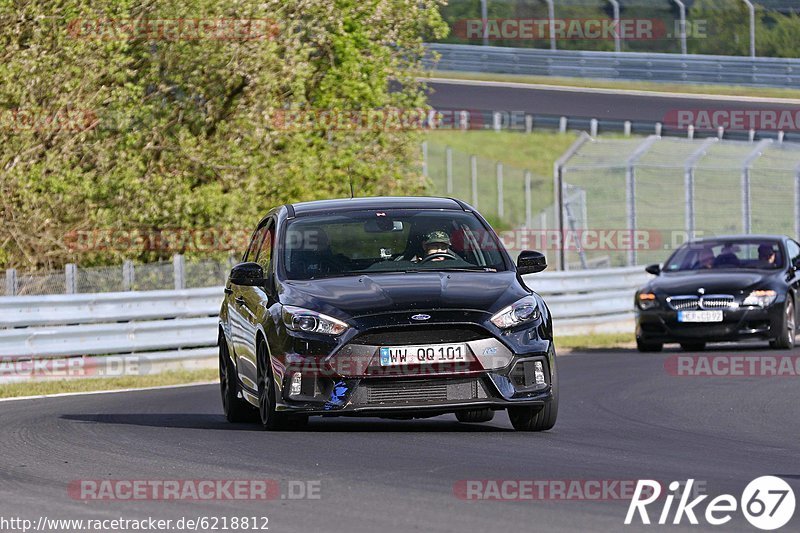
(685, 88)
(597, 341)
(173, 377)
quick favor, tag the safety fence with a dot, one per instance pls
(154, 330)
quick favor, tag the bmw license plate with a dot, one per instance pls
(424, 354)
(699, 316)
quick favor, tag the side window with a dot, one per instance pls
(794, 252)
(252, 250)
(264, 253)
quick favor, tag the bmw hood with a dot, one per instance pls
(712, 283)
(357, 296)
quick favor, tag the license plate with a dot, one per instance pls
(425, 354)
(699, 316)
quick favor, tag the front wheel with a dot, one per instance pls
(645, 346)
(786, 337)
(271, 418)
(534, 418)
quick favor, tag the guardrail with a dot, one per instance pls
(729, 70)
(168, 329)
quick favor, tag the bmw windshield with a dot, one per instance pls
(727, 254)
(370, 242)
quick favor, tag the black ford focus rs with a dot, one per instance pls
(391, 307)
(721, 289)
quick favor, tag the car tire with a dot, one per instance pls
(271, 419)
(534, 418)
(786, 338)
(645, 346)
(693, 346)
(236, 409)
(474, 416)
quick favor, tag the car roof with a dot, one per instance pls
(375, 203)
(743, 237)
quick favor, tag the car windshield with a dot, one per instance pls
(727, 254)
(368, 242)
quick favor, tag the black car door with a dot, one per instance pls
(242, 335)
(253, 304)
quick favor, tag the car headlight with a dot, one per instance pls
(646, 300)
(521, 311)
(760, 298)
(299, 319)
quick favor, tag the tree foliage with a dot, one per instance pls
(181, 133)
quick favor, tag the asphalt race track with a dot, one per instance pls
(608, 105)
(622, 417)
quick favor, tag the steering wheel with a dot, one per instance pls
(442, 255)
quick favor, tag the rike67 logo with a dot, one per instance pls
(767, 503)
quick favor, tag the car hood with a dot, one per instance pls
(712, 283)
(381, 293)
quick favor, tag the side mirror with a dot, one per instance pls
(530, 262)
(653, 269)
(249, 274)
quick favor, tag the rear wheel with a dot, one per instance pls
(236, 409)
(647, 346)
(693, 346)
(786, 338)
(475, 415)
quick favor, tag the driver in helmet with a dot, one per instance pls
(436, 242)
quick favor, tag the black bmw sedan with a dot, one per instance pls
(391, 307)
(721, 289)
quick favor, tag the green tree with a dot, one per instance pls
(183, 132)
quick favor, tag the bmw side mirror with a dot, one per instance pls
(653, 269)
(249, 274)
(530, 262)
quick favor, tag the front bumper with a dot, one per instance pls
(660, 325)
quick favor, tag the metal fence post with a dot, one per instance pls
(682, 28)
(71, 278)
(593, 127)
(500, 207)
(630, 190)
(449, 170)
(617, 29)
(484, 19)
(11, 282)
(497, 121)
(425, 158)
(747, 165)
(473, 171)
(558, 195)
(551, 14)
(528, 207)
(179, 271)
(528, 123)
(688, 183)
(562, 125)
(752, 10)
(128, 276)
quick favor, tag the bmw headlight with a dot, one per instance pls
(760, 298)
(646, 300)
(299, 319)
(521, 311)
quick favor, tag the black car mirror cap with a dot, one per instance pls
(530, 262)
(653, 269)
(247, 274)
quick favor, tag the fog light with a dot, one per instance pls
(538, 372)
(297, 380)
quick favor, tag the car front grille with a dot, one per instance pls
(420, 335)
(709, 302)
(381, 392)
